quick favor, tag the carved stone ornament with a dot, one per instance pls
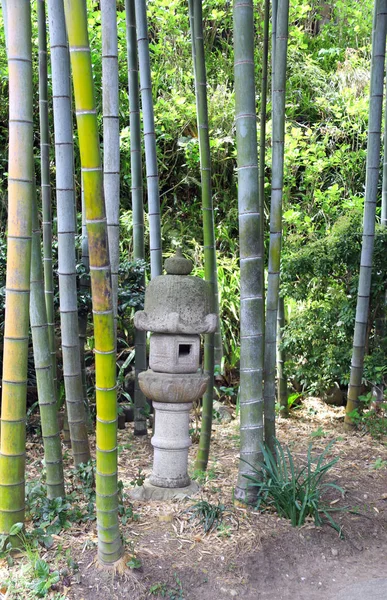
(177, 302)
(172, 388)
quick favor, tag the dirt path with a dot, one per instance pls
(259, 555)
(251, 555)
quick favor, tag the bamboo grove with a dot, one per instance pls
(76, 197)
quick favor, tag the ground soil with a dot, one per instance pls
(252, 555)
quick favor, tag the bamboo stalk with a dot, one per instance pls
(140, 422)
(278, 143)
(282, 380)
(43, 368)
(109, 540)
(66, 219)
(212, 341)
(20, 196)
(84, 288)
(383, 220)
(371, 189)
(45, 186)
(263, 114)
(111, 137)
(150, 139)
(251, 260)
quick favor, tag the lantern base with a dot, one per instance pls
(148, 491)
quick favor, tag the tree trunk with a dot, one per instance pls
(66, 220)
(16, 327)
(110, 547)
(251, 260)
(371, 188)
(140, 402)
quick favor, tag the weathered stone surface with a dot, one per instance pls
(174, 353)
(178, 265)
(147, 491)
(171, 442)
(176, 304)
(172, 388)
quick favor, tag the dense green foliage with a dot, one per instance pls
(327, 115)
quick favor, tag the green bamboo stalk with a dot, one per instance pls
(278, 142)
(140, 423)
(45, 186)
(371, 189)
(109, 540)
(263, 112)
(282, 380)
(84, 288)
(16, 328)
(251, 260)
(384, 182)
(150, 139)
(43, 368)
(212, 341)
(111, 137)
(66, 219)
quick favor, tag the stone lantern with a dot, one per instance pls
(176, 311)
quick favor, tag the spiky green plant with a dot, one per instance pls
(295, 493)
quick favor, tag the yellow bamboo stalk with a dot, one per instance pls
(109, 539)
(20, 195)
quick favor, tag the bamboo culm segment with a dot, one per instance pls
(66, 219)
(45, 185)
(251, 260)
(150, 139)
(140, 422)
(111, 137)
(278, 141)
(210, 271)
(84, 288)
(282, 380)
(109, 540)
(43, 368)
(17, 296)
(371, 188)
(383, 220)
(263, 114)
